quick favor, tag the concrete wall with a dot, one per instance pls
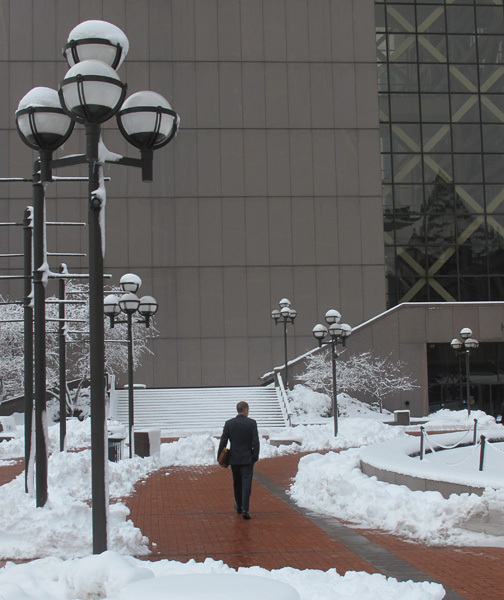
(271, 189)
(404, 332)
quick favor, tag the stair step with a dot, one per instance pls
(197, 408)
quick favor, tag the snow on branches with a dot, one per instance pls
(77, 341)
(365, 373)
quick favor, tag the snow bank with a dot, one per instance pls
(107, 577)
(333, 484)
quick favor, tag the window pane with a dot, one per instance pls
(466, 137)
(440, 197)
(462, 48)
(494, 168)
(409, 196)
(436, 138)
(401, 48)
(435, 107)
(460, 19)
(406, 137)
(493, 138)
(407, 168)
(467, 168)
(490, 49)
(490, 19)
(465, 108)
(440, 230)
(463, 78)
(431, 48)
(431, 19)
(408, 228)
(433, 78)
(403, 78)
(400, 17)
(404, 107)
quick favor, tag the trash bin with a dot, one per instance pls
(402, 417)
(115, 448)
(147, 442)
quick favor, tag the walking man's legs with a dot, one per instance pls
(237, 486)
(247, 472)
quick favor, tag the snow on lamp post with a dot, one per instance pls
(129, 303)
(285, 315)
(90, 94)
(338, 333)
(464, 347)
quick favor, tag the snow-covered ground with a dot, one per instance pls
(59, 534)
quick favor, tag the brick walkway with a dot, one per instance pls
(188, 513)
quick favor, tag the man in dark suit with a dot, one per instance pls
(244, 452)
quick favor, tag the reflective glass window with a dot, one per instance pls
(407, 168)
(467, 168)
(409, 228)
(465, 108)
(400, 17)
(435, 107)
(493, 138)
(492, 109)
(462, 48)
(409, 197)
(405, 107)
(466, 137)
(490, 19)
(437, 166)
(436, 138)
(463, 78)
(431, 48)
(440, 197)
(460, 19)
(402, 47)
(403, 77)
(490, 49)
(494, 168)
(406, 137)
(440, 229)
(433, 78)
(431, 19)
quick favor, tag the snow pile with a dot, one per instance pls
(308, 406)
(334, 485)
(107, 577)
(62, 528)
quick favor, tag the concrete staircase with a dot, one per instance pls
(193, 409)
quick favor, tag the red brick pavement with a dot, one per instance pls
(188, 513)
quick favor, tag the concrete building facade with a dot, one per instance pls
(271, 188)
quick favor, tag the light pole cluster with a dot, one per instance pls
(338, 333)
(464, 347)
(90, 94)
(129, 303)
(285, 315)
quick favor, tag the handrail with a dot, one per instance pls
(282, 396)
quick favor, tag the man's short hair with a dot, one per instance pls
(242, 406)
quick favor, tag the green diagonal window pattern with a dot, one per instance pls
(440, 72)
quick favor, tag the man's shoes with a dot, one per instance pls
(246, 515)
(238, 510)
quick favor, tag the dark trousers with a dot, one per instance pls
(242, 484)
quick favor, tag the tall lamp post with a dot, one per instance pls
(285, 315)
(129, 303)
(462, 347)
(90, 94)
(338, 333)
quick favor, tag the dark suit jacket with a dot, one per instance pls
(242, 432)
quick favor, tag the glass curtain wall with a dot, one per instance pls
(441, 84)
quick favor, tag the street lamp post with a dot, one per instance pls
(90, 94)
(462, 347)
(285, 315)
(338, 333)
(129, 303)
